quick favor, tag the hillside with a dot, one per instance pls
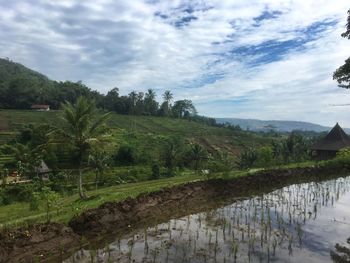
(20, 87)
(10, 71)
(143, 132)
(267, 125)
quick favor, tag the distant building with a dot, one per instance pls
(328, 147)
(40, 107)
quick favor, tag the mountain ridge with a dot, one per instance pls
(277, 125)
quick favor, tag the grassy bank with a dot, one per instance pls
(19, 213)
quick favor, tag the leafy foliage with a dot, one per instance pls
(342, 74)
(125, 155)
(294, 148)
(81, 128)
(247, 158)
(196, 155)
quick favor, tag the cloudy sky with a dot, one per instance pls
(267, 59)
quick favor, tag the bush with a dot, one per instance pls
(247, 159)
(125, 155)
(16, 193)
(217, 166)
(155, 171)
(342, 159)
(344, 154)
(265, 157)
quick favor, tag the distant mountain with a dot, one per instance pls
(281, 126)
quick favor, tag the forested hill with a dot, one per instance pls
(10, 71)
(21, 87)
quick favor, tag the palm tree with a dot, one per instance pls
(173, 149)
(82, 129)
(133, 100)
(151, 105)
(167, 96)
(98, 161)
(197, 154)
(150, 94)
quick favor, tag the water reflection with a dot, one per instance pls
(298, 223)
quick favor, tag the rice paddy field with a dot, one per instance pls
(297, 223)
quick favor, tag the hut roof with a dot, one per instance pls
(40, 107)
(42, 168)
(335, 140)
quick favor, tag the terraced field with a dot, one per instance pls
(147, 130)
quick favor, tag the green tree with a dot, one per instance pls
(172, 152)
(247, 158)
(82, 128)
(183, 108)
(342, 74)
(265, 156)
(166, 105)
(27, 159)
(51, 200)
(197, 155)
(133, 101)
(151, 105)
(98, 160)
(126, 155)
(111, 99)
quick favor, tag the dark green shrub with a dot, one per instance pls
(125, 155)
(216, 166)
(155, 171)
(265, 157)
(16, 193)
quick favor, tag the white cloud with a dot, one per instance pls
(109, 43)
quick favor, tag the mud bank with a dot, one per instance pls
(54, 242)
(113, 217)
(37, 243)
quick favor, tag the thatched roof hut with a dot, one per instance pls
(42, 168)
(328, 147)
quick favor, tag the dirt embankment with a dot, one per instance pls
(37, 243)
(54, 241)
(185, 199)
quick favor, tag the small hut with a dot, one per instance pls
(42, 169)
(40, 107)
(328, 147)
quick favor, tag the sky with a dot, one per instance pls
(268, 59)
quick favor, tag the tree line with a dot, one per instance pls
(21, 87)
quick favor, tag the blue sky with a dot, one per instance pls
(265, 59)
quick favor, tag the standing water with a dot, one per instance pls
(298, 223)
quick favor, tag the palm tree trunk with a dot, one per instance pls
(80, 184)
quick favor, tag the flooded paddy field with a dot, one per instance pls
(297, 223)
